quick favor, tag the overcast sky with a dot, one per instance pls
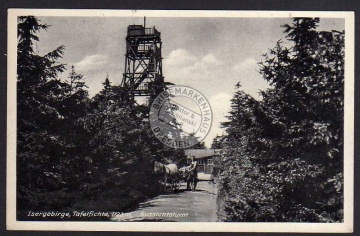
(208, 54)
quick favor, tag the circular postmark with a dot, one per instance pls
(180, 117)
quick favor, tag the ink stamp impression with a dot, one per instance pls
(180, 117)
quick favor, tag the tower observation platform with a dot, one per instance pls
(143, 62)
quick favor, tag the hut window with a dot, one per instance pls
(210, 162)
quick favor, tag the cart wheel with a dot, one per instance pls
(176, 184)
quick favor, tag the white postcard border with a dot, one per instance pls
(346, 226)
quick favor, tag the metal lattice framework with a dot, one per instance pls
(143, 62)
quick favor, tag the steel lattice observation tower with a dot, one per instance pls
(143, 62)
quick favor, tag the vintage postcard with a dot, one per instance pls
(192, 121)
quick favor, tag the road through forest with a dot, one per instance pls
(181, 206)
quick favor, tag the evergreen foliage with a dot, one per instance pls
(283, 157)
(75, 152)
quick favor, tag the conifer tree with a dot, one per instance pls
(38, 115)
(293, 137)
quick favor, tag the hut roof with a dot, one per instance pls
(201, 153)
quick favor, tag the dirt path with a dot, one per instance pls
(183, 206)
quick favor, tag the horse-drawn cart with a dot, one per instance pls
(172, 177)
(181, 178)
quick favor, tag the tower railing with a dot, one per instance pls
(151, 31)
(141, 31)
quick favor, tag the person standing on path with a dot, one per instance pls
(192, 176)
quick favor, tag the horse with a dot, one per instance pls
(169, 172)
(183, 172)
